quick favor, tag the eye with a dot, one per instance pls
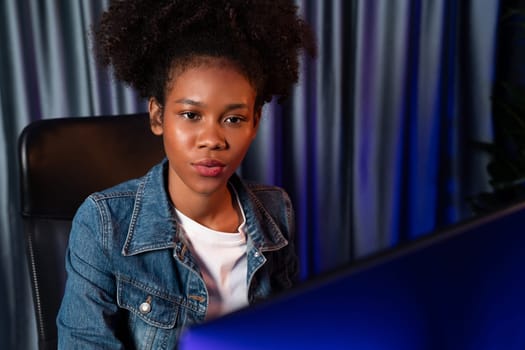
(234, 119)
(189, 115)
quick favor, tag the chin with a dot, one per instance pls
(209, 186)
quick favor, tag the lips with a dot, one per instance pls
(209, 167)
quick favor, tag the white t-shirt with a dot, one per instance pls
(221, 257)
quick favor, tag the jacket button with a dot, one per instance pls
(256, 254)
(145, 307)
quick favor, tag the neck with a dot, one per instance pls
(218, 210)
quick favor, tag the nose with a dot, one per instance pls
(212, 137)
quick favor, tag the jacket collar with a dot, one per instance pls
(153, 225)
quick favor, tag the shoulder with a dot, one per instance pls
(123, 190)
(102, 211)
(268, 194)
(271, 203)
(111, 207)
(111, 202)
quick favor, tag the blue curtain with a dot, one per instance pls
(373, 146)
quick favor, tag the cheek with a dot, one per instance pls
(178, 137)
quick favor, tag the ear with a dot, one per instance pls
(155, 116)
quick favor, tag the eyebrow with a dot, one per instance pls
(187, 101)
(229, 107)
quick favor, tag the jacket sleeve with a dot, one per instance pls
(88, 315)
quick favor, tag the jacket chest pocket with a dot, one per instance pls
(154, 307)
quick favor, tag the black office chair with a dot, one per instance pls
(62, 161)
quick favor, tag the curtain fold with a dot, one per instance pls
(374, 144)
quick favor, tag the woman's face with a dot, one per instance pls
(208, 122)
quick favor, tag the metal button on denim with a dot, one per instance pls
(145, 307)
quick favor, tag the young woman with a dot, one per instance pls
(190, 240)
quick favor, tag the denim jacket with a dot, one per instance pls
(133, 284)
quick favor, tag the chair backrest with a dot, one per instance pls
(62, 161)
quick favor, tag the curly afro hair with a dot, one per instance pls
(144, 40)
